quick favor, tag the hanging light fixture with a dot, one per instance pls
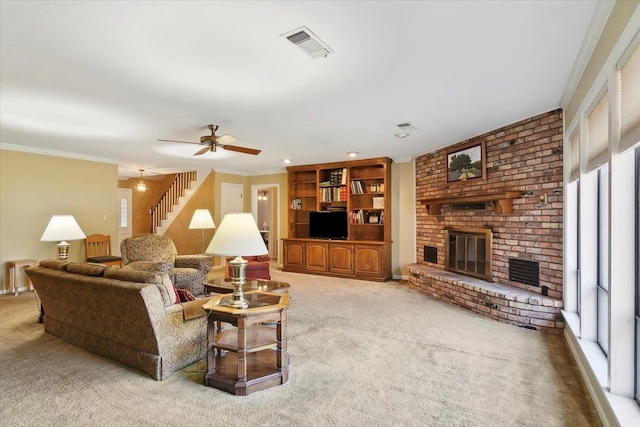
(142, 187)
(263, 195)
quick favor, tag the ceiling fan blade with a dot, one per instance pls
(242, 149)
(182, 142)
(226, 139)
(204, 150)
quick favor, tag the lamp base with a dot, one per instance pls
(238, 271)
(63, 250)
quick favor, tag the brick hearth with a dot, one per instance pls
(500, 302)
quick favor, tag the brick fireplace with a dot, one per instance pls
(516, 207)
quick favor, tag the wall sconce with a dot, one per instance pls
(263, 195)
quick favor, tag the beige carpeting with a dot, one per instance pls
(362, 354)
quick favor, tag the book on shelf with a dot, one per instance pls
(325, 183)
(338, 176)
(358, 187)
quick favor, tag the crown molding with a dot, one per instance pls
(56, 153)
(594, 31)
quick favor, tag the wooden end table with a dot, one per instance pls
(249, 356)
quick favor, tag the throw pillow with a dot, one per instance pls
(185, 295)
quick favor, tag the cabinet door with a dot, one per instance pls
(341, 258)
(368, 260)
(316, 256)
(293, 255)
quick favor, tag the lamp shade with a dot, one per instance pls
(237, 234)
(62, 227)
(202, 219)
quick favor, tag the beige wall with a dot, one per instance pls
(403, 206)
(618, 19)
(33, 187)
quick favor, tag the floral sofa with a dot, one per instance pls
(126, 315)
(151, 252)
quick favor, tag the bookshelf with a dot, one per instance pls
(362, 189)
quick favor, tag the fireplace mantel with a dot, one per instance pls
(502, 202)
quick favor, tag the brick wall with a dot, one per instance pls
(524, 156)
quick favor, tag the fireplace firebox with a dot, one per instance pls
(469, 251)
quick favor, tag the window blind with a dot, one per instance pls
(630, 101)
(598, 139)
(574, 147)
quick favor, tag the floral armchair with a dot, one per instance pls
(150, 252)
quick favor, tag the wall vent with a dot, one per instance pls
(309, 42)
(431, 254)
(523, 271)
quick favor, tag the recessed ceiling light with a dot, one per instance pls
(286, 161)
(401, 135)
(352, 153)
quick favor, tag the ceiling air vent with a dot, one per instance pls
(309, 42)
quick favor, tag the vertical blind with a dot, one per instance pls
(630, 101)
(598, 136)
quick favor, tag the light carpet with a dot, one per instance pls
(362, 354)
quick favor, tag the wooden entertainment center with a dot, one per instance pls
(361, 188)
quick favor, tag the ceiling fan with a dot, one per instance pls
(213, 142)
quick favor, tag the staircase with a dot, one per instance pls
(172, 202)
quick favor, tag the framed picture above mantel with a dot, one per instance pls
(467, 162)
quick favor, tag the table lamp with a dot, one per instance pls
(201, 220)
(237, 235)
(60, 229)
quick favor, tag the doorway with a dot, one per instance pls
(265, 207)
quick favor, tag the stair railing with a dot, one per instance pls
(160, 211)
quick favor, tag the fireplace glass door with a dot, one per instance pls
(469, 253)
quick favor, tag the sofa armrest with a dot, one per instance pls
(199, 262)
(153, 266)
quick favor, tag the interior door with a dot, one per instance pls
(232, 198)
(125, 217)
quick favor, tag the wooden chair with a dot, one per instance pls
(98, 249)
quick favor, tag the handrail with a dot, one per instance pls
(160, 211)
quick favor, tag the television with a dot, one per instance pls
(328, 225)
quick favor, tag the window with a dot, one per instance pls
(603, 258)
(124, 209)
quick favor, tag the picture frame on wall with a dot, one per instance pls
(467, 163)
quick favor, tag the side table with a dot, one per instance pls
(14, 274)
(248, 356)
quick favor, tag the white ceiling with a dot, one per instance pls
(107, 79)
